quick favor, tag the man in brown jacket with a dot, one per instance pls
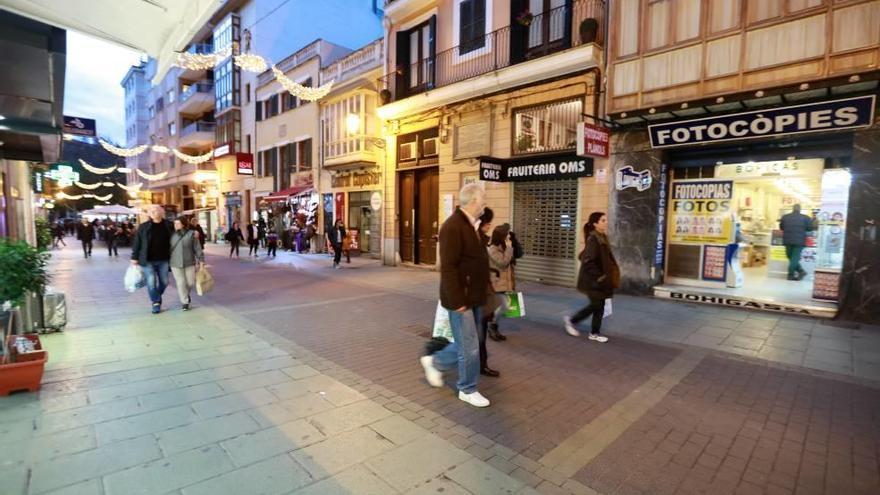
(464, 283)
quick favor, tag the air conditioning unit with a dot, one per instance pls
(407, 152)
(430, 146)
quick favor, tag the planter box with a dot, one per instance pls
(22, 371)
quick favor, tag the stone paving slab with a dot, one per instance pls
(150, 411)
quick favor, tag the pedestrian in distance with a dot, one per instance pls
(112, 236)
(795, 226)
(186, 256)
(85, 232)
(252, 239)
(261, 232)
(599, 275)
(152, 251)
(194, 225)
(234, 238)
(336, 236)
(464, 287)
(58, 235)
(272, 242)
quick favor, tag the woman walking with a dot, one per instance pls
(598, 277)
(186, 251)
(252, 239)
(272, 242)
(234, 236)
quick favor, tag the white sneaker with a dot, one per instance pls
(432, 374)
(475, 399)
(598, 337)
(569, 327)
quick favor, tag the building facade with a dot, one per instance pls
(493, 92)
(136, 85)
(352, 158)
(732, 112)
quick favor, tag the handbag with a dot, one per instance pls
(516, 305)
(204, 281)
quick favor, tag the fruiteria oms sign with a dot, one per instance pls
(847, 113)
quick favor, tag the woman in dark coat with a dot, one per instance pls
(234, 237)
(598, 277)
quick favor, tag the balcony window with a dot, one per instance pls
(228, 130)
(415, 56)
(304, 155)
(546, 128)
(548, 25)
(172, 128)
(170, 96)
(227, 85)
(471, 24)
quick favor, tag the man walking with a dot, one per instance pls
(194, 225)
(336, 236)
(152, 250)
(794, 236)
(85, 232)
(464, 286)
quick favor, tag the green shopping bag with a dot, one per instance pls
(515, 305)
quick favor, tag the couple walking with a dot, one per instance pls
(465, 282)
(160, 245)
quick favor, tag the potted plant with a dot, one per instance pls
(524, 142)
(22, 271)
(524, 18)
(588, 30)
(44, 233)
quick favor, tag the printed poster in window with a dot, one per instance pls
(714, 263)
(700, 212)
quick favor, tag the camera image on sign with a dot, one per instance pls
(627, 177)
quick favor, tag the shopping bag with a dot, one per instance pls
(134, 278)
(607, 311)
(516, 305)
(442, 328)
(204, 281)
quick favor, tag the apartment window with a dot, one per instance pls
(307, 83)
(471, 24)
(160, 104)
(288, 102)
(227, 32)
(247, 92)
(247, 143)
(228, 130)
(672, 21)
(547, 127)
(268, 163)
(227, 86)
(152, 111)
(415, 55)
(172, 128)
(304, 153)
(170, 96)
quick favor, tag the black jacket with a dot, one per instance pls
(464, 264)
(794, 229)
(141, 244)
(331, 235)
(599, 274)
(85, 233)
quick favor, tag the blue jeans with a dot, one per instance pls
(157, 279)
(464, 351)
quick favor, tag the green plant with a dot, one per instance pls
(22, 270)
(524, 142)
(44, 233)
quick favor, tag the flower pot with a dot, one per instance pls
(22, 371)
(588, 30)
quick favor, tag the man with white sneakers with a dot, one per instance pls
(464, 287)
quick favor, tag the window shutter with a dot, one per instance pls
(259, 110)
(432, 46)
(402, 67)
(307, 154)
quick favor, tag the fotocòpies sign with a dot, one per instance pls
(847, 113)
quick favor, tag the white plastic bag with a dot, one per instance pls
(134, 278)
(442, 328)
(607, 312)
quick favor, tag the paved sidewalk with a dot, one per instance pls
(206, 403)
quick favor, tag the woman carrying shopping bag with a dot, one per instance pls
(186, 251)
(599, 275)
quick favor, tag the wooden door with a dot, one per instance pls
(407, 216)
(427, 214)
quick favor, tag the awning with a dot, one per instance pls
(283, 194)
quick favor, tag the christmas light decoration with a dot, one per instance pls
(123, 170)
(108, 184)
(250, 62)
(97, 170)
(152, 176)
(300, 91)
(87, 195)
(201, 61)
(126, 152)
(194, 159)
(63, 195)
(131, 188)
(158, 148)
(104, 198)
(87, 186)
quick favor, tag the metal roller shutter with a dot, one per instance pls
(545, 221)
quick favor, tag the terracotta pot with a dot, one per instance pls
(22, 371)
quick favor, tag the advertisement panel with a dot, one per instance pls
(700, 212)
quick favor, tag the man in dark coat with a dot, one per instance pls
(336, 236)
(152, 251)
(464, 286)
(85, 232)
(795, 226)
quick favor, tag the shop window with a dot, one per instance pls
(548, 127)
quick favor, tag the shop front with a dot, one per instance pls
(716, 208)
(545, 211)
(357, 201)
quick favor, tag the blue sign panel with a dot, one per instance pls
(79, 126)
(847, 113)
(660, 243)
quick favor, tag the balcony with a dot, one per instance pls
(351, 152)
(196, 74)
(198, 98)
(549, 35)
(197, 135)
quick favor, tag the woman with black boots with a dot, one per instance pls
(501, 275)
(491, 301)
(598, 277)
